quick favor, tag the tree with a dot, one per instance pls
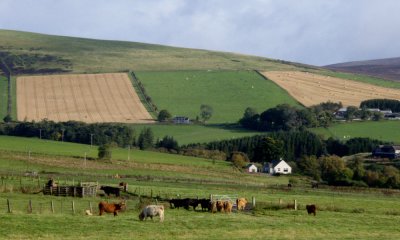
(333, 169)
(351, 113)
(7, 118)
(168, 143)
(269, 149)
(250, 119)
(146, 139)
(206, 112)
(309, 166)
(104, 151)
(358, 168)
(377, 116)
(239, 159)
(163, 115)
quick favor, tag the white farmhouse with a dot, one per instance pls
(277, 166)
(251, 168)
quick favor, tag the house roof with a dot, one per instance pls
(249, 165)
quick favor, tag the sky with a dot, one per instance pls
(317, 32)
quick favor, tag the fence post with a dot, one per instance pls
(52, 206)
(73, 207)
(295, 204)
(211, 197)
(30, 206)
(280, 201)
(253, 200)
(8, 206)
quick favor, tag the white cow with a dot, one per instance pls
(152, 211)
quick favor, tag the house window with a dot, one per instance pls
(286, 170)
(279, 169)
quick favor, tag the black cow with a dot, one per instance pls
(111, 190)
(311, 209)
(204, 204)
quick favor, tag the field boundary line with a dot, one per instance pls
(142, 97)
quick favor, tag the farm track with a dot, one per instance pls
(310, 89)
(80, 97)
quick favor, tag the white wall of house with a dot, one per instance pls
(251, 169)
(283, 168)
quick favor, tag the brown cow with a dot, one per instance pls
(241, 203)
(220, 206)
(110, 207)
(228, 206)
(311, 209)
(212, 206)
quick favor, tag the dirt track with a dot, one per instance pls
(82, 97)
(310, 89)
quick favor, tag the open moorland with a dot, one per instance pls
(311, 89)
(229, 93)
(342, 213)
(86, 97)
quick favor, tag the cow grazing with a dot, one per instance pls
(205, 204)
(152, 211)
(51, 183)
(220, 206)
(193, 203)
(212, 206)
(228, 206)
(111, 190)
(311, 209)
(110, 207)
(241, 203)
(177, 203)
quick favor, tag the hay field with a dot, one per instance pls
(82, 97)
(310, 89)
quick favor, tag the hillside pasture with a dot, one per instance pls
(311, 89)
(3, 97)
(81, 97)
(382, 130)
(229, 93)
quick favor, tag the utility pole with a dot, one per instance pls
(129, 152)
(84, 161)
(62, 135)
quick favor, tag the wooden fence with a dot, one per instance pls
(84, 190)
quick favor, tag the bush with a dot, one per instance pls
(163, 116)
(104, 152)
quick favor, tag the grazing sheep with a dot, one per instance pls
(152, 211)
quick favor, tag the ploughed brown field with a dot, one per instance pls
(82, 97)
(310, 89)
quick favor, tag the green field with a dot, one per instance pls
(382, 130)
(191, 133)
(228, 92)
(343, 213)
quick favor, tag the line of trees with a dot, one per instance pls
(285, 117)
(382, 104)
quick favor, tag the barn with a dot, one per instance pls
(181, 120)
(277, 167)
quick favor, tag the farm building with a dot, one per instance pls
(277, 166)
(251, 168)
(181, 120)
(387, 151)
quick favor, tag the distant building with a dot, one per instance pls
(181, 120)
(387, 151)
(251, 168)
(277, 166)
(341, 113)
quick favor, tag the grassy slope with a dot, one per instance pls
(88, 55)
(383, 130)
(228, 92)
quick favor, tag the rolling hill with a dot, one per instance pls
(388, 68)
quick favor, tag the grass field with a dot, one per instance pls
(191, 133)
(229, 93)
(382, 130)
(342, 213)
(92, 56)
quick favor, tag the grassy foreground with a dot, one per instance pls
(343, 213)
